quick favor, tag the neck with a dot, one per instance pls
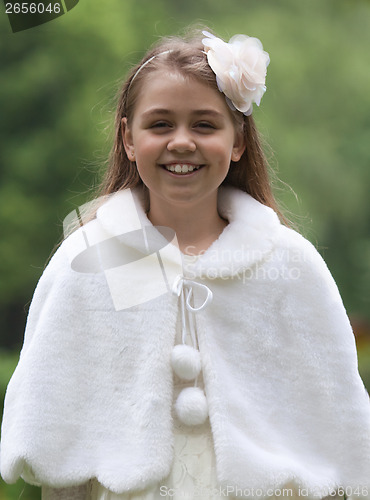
(196, 226)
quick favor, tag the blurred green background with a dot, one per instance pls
(57, 87)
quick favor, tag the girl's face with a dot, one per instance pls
(182, 138)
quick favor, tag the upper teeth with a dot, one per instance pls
(181, 169)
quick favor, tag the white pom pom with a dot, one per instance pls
(185, 361)
(191, 406)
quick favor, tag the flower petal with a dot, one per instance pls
(240, 68)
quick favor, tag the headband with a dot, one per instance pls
(147, 62)
(240, 68)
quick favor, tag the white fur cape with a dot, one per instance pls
(92, 393)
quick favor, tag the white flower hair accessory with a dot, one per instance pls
(240, 68)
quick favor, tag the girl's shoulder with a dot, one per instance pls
(286, 247)
(255, 224)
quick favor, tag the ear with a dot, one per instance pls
(239, 147)
(127, 140)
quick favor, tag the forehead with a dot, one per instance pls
(171, 90)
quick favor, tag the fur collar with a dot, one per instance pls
(247, 239)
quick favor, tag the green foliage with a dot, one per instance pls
(20, 490)
(57, 87)
(58, 83)
(8, 362)
(364, 364)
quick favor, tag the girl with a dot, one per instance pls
(185, 343)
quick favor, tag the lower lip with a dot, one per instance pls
(178, 176)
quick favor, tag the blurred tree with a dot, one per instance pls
(51, 81)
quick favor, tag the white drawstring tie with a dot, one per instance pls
(184, 289)
(191, 405)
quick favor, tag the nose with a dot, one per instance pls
(181, 141)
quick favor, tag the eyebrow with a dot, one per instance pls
(197, 112)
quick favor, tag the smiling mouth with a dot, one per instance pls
(181, 168)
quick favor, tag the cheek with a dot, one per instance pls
(148, 148)
(222, 150)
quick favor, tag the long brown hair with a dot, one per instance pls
(186, 56)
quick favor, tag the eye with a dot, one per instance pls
(205, 125)
(160, 124)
